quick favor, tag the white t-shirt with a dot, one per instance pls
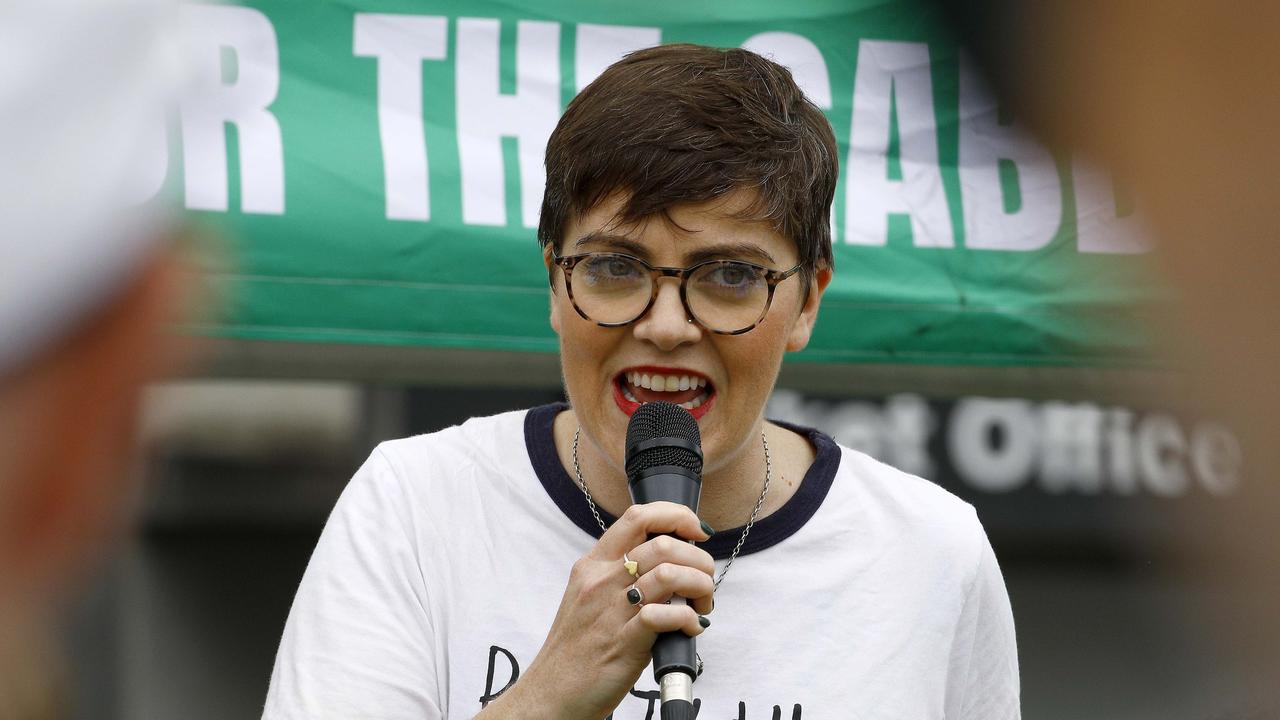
(871, 594)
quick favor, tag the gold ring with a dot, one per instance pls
(632, 567)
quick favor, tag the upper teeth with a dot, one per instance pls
(665, 383)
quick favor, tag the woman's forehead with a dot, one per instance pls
(684, 232)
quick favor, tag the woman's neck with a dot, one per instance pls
(729, 492)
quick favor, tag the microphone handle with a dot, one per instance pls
(672, 651)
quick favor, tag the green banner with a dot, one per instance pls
(378, 168)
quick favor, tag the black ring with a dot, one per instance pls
(634, 596)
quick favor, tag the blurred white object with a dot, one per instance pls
(254, 421)
(85, 89)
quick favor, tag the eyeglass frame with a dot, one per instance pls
(772, 278)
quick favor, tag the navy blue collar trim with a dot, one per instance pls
(766, 533)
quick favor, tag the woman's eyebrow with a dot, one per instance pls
(730, 251)
(719, 251)
(620, 243)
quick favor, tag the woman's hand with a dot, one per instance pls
(599, 643)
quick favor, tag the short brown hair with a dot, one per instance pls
(681, 123)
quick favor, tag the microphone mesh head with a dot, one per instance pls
(658, 420)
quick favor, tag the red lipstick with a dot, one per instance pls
(629, 397)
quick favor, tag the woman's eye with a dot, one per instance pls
(611, 269)
(735, 275)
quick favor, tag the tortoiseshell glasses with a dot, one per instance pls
(728, 297)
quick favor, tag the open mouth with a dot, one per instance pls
(688, 390)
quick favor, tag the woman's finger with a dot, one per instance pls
(640, 521)
(660, 618)
(667, 549)
(665, 580)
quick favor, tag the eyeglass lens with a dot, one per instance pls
(724, 295)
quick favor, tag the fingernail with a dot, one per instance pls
(704, 621)
(707, 528)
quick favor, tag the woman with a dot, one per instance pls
(481, 569)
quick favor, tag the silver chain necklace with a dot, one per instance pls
(768, 475)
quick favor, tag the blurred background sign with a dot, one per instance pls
(1049, 477)
(378, 165)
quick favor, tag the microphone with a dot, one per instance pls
(664, 462)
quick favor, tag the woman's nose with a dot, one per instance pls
(667, 324)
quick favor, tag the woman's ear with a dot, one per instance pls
(549, 261)
(802, 330)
